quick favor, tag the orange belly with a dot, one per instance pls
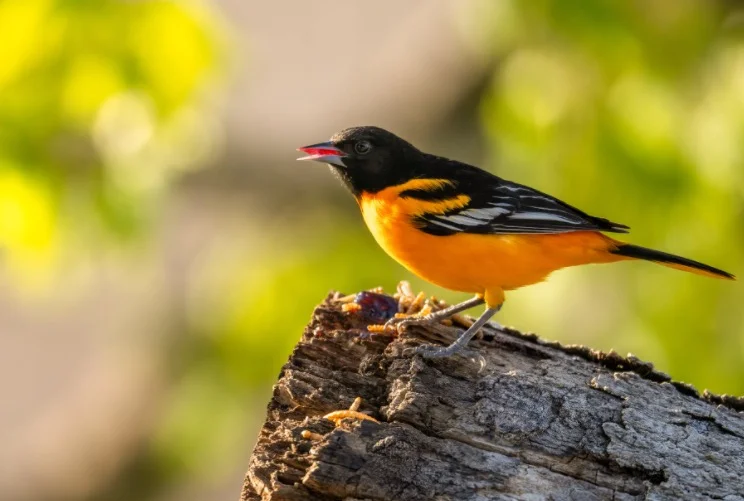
(477, 263)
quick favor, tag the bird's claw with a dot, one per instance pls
(392, 323)
(432, 351)
(401, 322)
(409, 321)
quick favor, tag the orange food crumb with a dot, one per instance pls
(350, 307)
(311, 435)
(337, 416)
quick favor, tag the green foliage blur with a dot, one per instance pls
(100, 108)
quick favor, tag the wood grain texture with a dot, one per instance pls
(533, 421)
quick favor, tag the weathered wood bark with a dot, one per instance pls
(537, 421)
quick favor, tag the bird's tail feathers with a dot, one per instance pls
(677, 262)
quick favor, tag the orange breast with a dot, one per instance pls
(472, 262)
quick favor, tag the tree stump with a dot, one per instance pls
(536, 421)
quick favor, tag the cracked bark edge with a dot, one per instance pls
(538, 421)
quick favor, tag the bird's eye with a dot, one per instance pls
(362, 147)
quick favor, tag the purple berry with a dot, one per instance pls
(377, 307)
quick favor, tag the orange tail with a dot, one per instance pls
(680, 263)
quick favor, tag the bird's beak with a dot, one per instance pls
(323, 152)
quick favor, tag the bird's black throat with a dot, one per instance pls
(360, 181)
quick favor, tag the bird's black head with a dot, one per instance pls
(367, 159)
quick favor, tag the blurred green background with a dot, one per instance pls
(160, 251)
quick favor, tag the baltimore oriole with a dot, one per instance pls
(465, 229)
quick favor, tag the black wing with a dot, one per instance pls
(501, 207)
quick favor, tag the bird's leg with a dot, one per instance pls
(403, 322)
(430, 351)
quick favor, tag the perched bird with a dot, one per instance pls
(467, 230)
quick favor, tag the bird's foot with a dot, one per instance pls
(433, 351)
(401, 321)
(457, 347)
